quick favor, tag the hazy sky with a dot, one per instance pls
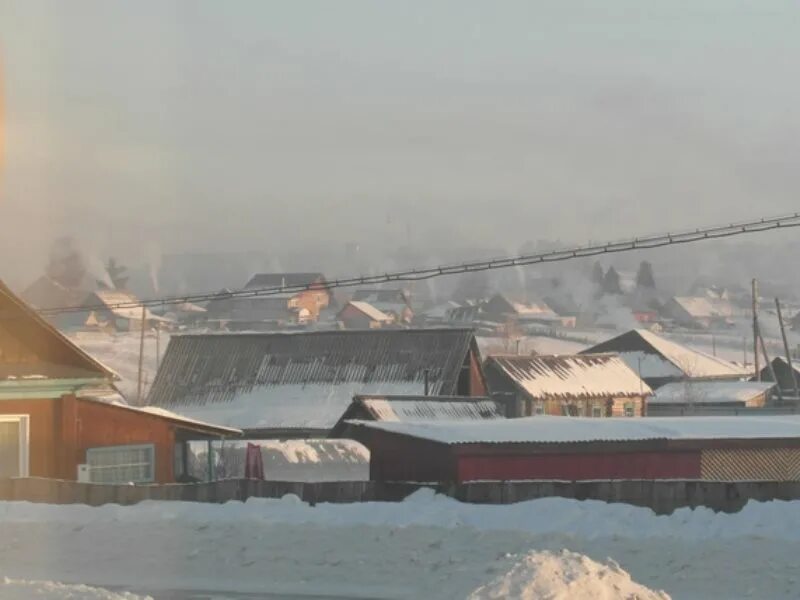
(253, 125)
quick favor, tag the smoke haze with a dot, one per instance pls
(282, 127)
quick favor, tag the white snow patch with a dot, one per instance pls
(19, 589)
(565, 576)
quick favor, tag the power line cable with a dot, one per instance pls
(637, 243)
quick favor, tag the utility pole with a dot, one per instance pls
(786, 349)
(756, 366)
(141, 357)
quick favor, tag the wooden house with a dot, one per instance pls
(362, 315)
(60, 414)
(312, 294)
(394, 302)
(590, 385)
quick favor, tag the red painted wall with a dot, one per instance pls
(580, 467)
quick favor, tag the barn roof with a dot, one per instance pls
(709, 392)
(550, 430)
(267, 280)
(571, 376)
(49, 354)
(654, 356)
(302, 380)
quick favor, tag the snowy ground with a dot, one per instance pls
(427, 547)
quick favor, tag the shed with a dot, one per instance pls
(552, 448)
(299, 384)
(416, 408)
(659, 361)
(596, 385)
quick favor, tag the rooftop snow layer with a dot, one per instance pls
(709, 392)
(581, 376)
(545, 429)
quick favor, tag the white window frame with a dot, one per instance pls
(23, 422)
(597, 411)
(629, 406)
(110, 449)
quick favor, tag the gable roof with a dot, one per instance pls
(110, 298)
(557, 430)
(304, 379)
(269, 280)
(659, 357)
(704, 307)
(47, 353)
(369, 311)
(571, 376)
(46, 293)
(385, 295)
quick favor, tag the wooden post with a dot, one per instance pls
(427, 384)
(786, 349)
(139, 398)
(769, 366)
(756, 366)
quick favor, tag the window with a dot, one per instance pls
(538, 408)
(629, 411)
(13, 445)
(597, 411)
(122, 464)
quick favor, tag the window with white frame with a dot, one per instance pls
(629, 409)
(538, 408)
(13, 445)
(597, 411)
(122, 464)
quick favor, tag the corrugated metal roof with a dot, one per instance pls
(686, 361)
(429, 408)
(550, 430)
(709, 392)
(571, 376)
(302, 379)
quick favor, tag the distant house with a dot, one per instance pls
(102, 309)
(395, 302)
(46, 294)
(784, 374)
(659, 361)
(500, 308)
(61, 416)
(313, 297)
(590, 385)
(362, 315)
(416, 408)
(699, 312)
(438, 314)
(687, 397)
(299, 384)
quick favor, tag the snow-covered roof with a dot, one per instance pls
(571, 376)
(704, 307)
(429, 408)
(634, 345)
(302, 380)
(545, 429)
(709, 392)
(370, 311)
(173, 416)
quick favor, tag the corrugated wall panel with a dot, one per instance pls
(581, 467)
(763, 464)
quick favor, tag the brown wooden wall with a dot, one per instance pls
(61, 430)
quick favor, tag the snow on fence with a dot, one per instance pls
(663, 497)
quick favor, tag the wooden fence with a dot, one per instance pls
(663, 497)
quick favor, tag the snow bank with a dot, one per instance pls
(18, 589)
(565, 576)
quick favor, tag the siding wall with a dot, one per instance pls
(61, 430)
(572, 467)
